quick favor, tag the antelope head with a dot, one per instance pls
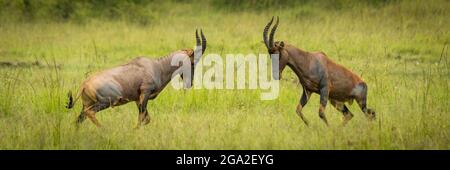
(276, 48)
(195, 55)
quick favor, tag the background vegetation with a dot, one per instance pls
(400, 48)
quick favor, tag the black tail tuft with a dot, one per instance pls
(70, 103)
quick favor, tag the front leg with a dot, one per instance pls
(304, 99)
(142, 106)
(324, 91)
(153, 95)
(144, 118)
(148, 92)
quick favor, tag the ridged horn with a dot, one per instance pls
(197, 40)
(203, 42)
(272, 33)
(266, 29)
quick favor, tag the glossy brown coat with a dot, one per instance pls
(319, 74)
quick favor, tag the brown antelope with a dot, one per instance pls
(319, 74)
(139, 80)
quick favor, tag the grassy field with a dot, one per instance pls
(400, 49)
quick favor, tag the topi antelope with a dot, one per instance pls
(140, 80)
(318, 74)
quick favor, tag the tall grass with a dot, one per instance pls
(398, 47)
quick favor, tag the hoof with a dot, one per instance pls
(371, 114)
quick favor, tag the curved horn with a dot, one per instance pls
(198, 45)
(203, 42)
(266, 29)
(197, 40)
(272, 33)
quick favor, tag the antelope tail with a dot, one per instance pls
(72, 102)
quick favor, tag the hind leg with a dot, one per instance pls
(362, 99)
(81, 117)
(92, 110)
(342, 108)
(370, 114)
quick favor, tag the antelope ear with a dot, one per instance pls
(190, 52)
(282, 44)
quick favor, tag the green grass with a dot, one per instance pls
(400, 49)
